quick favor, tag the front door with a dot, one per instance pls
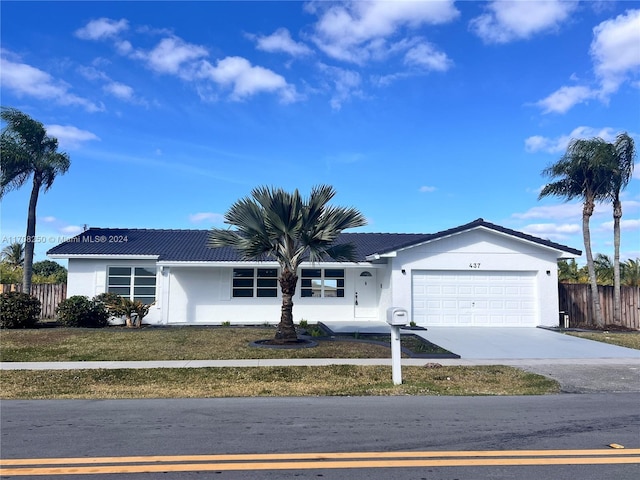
(366, 295)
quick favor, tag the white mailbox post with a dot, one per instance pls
(396, 317)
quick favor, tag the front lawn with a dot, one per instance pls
(174, 343)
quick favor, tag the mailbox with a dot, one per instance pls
(397, 316)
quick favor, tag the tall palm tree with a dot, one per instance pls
(582, 172)
(276, 225)
(13, 255)
(27, 152)
(623, 157)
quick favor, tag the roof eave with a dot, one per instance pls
(96, 256)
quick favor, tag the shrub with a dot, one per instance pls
(112, 302)
(79, 311)
(18, 310)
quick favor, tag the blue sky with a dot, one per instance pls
(424, 115)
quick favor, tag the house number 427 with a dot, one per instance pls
(474, 265)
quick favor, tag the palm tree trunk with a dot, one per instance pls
(286, 331)
(617, 307)
(587, 211)
(29, 243)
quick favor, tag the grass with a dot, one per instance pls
(629, 340)
(186, 343)
(202, 343)
(334, 380)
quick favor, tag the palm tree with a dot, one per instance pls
(276, 225)
(631, 273)
(604, 269)
(582, 173)
(623, 156)
(27, 152)
(13, 255)
(569, 272)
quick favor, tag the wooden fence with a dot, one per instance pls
(49, 294)
(575, 301)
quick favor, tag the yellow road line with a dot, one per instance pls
(319, 465)
(313, 456)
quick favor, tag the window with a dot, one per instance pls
(319, 282)
(255, 282)
(134, 283)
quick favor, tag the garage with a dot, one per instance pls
(478, 298)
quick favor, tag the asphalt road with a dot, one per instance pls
(451, 426)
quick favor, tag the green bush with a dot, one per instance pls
(18, 310)
(112, 303)
(79, 311)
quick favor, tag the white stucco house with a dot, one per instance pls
(477, 274)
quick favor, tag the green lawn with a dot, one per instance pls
(204, 343)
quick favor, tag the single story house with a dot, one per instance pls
(477, 274)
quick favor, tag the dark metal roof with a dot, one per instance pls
(191, 245)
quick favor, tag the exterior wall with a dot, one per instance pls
(479, 250)
(202, 295)
(88, 277)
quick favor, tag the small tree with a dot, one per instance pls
(276, 225)
(49, 271)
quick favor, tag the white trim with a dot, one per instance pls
(105, 257)
(255, 264)
(564, 254)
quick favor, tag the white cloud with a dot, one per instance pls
(427, 189)
(357, 31)
(25, 80)
(246, 80)
(562, 211)
(281, 41)
(119, 90)
(70, 137)
(552, 231)
(507, 21)
(48, 219)
(629, 225)
(428, 57)
(559, 144)
(346, 84)
(565, 98)
(206, 216)
(71, 230)
(102, 28)
(615, 50)
(173, 55)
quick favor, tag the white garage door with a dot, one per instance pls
(475, 299)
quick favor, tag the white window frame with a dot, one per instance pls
(329, 283)
(262, 283)
(136, 281)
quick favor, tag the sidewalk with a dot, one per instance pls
(276, 362)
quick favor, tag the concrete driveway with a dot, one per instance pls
(521, 343)
(495, 343)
